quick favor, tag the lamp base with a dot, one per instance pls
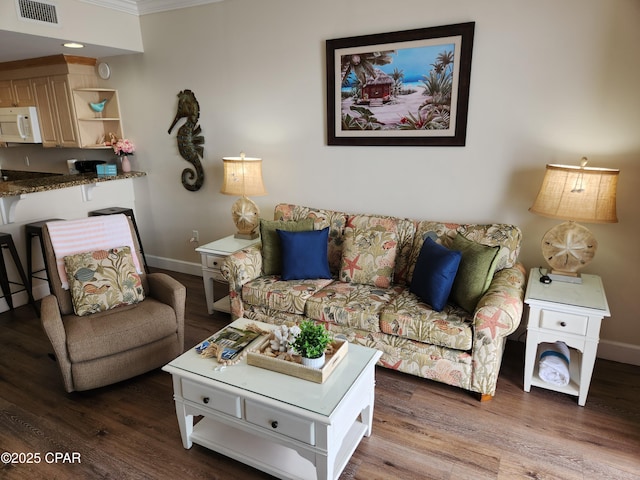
(567, 248)
(564, 277)
(246, 216)
(247, 236)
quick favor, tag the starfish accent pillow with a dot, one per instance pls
(368, 257)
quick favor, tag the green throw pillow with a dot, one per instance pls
(475, 272)
(271, 251)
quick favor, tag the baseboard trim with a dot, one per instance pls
(619, 352)
(190, 268)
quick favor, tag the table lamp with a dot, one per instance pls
(243, 176)
(575, 194)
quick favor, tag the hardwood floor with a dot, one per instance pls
(422, 429)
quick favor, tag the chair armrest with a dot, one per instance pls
(497, 315)
(171, 292)
(51, 320)
(239, 268)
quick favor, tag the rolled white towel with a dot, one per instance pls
(554, 363)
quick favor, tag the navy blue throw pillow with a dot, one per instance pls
(434, 273)
(304, 254)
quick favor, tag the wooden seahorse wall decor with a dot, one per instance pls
(189, 139)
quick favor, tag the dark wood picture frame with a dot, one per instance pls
(369, 104)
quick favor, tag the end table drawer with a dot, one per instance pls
(215, 262)
(564, 322)
(214, 399)
(280, 422)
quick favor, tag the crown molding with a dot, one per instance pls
(143, 7)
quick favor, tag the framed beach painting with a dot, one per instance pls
(400, 88)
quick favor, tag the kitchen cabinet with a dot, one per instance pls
(16, 93)
(6, 93)
(62, 87)
(55, 111)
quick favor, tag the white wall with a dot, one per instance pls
(551, 81)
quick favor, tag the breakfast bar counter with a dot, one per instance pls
(16, 185)
(19, 183)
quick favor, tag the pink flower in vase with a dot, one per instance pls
(123, 149)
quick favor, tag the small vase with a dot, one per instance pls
(313, 362)
(125, 163)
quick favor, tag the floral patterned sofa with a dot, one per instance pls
(373, 304)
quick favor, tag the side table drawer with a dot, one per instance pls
(215, 261)
(564, 322)
(214, 399)
(280, 422)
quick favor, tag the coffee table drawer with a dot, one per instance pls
(213, 399)
(280, 422)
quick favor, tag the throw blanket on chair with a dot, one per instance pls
(69, 237)
(554, 363)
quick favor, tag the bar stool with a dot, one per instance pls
(32, 230)
(129, 213)
(6, 241)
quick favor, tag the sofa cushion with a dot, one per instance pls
(434, 274)
(103, 280)
(304, 254)
(350, 304)
(285, 296)
(475, 272)
(369, 257)
(336, 222)
(408, 317)
(271, 250)
(404, 230)
(507, 237)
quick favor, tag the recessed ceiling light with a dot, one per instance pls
(73, 45)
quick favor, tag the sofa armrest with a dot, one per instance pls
(171, 292)
(239, 268)
(497, 315)
(52, 324)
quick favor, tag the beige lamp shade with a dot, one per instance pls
(243, 177)
(575, 194)
(581, 194)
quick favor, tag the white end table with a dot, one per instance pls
(212, 255)
(570, 313)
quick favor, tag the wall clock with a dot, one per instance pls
(104, 71)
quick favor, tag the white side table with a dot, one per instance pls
(212, 255)
(570, 313)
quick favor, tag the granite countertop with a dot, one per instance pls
(21, 182)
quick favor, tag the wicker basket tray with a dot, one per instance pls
(258, 359)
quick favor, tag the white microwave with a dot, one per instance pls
(19, 125)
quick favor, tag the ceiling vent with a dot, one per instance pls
(41, 12)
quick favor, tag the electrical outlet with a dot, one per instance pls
(195, 236)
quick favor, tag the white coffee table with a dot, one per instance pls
(286, 426)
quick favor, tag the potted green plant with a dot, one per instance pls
(311, 343)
